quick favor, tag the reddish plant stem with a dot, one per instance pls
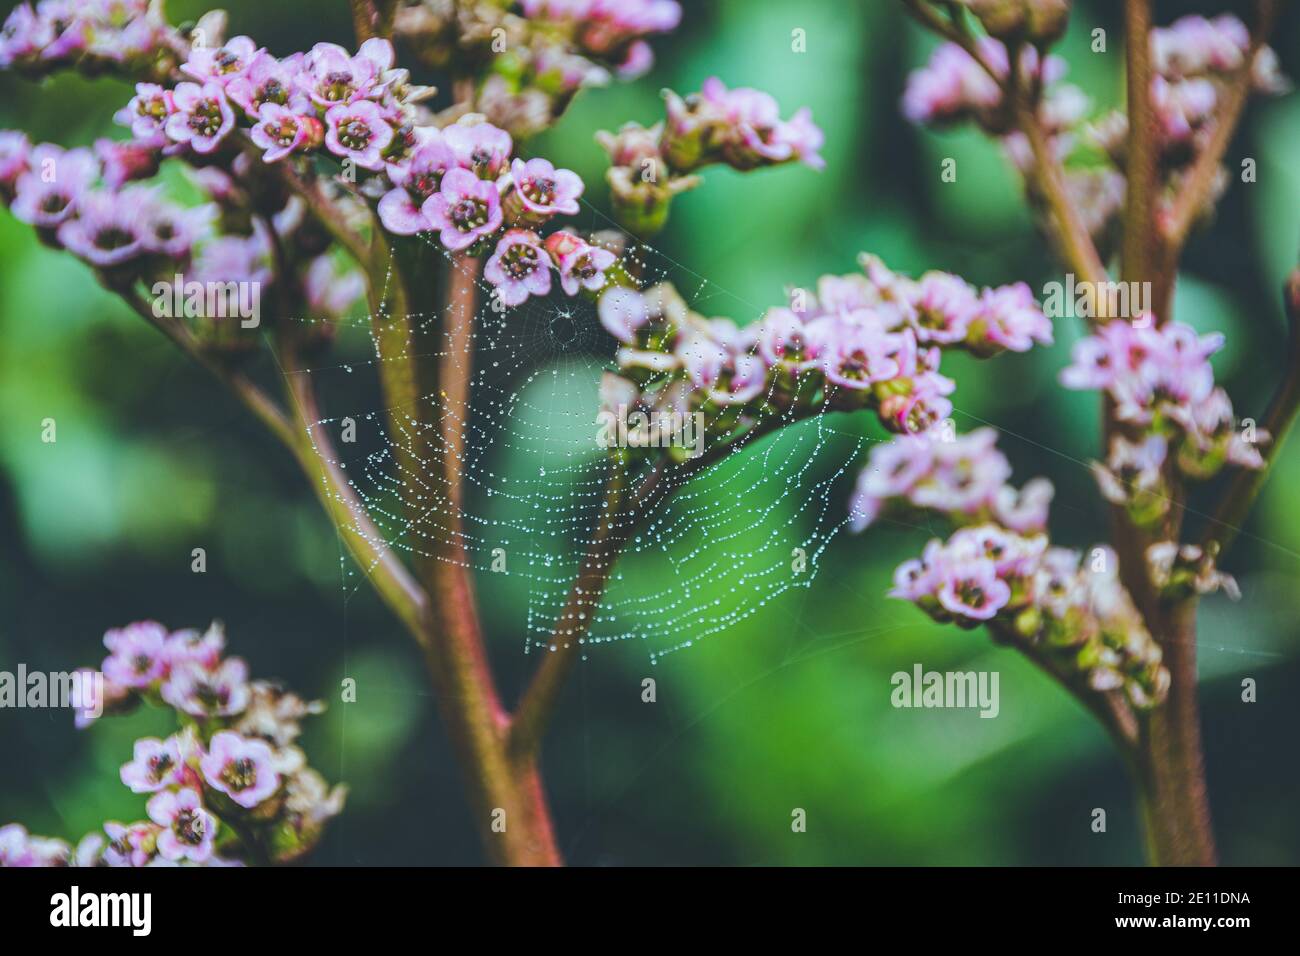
(1168, 766)
(1171, 771)
(1141, 166)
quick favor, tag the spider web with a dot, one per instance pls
(720, 547)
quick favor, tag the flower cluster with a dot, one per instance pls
(529, 61)
(94, 35)
(231, 786)
(962, 477)
(1075, 615)
(1178, 571)
(867, 340)
(462, 183)
(739, 127)
(955, 87)
(1162, 384)
(1193, 60)
(91, 203)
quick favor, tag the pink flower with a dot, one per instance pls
(893, 469)
(359, 131)
(126, 162)
(743, 379)
(241, 768)
(23, 35)
(203, 692)
(541, 191)
(966, 473)
(54, 183)
(921, 408)
(268, 80)
(951, 87)
(519, 268)
(203, 116)
(972, 589)
(464, 210)
(156, 764)
(327, 293)
(132, 845)
(859, 360)
(414, 181)
(188, 830)
(198, 647)
(1024, 511)
(329, 75)
(479, 147)
(14, 153)
(784, 340)
(751, 131)
(280, 132)
(622, 312)
(169, 229)
(917, 579)
(1009, 318)
(223, 64)
(945, 305)
(580, 264)
(106, 231)
(137, 655)
(147, 112)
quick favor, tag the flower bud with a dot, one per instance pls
(1047, 20)
(1004, 19)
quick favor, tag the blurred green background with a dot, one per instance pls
(789, 707)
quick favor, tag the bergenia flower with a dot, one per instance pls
(241, 768)
(137, 654)
(147, 112)
(479, 147)
(542, 191)
(203, 692)
(327, 293)
(580, 264)
(519, 267)
(944, 307)
(464, 210)
(281, 131)
(106, 231)
(414, 181)
(859, 360)
(623, 311)
(1009, 318)
(169, 229)
(130, 845)
(784, 340)
(358, 131)
(156, 764)
(330, 75)
(188, 830)
(222, 64)
(202, 116)
(55, 181)
(266, 79)
(971, 589)
(14, 153)
(126, 162)
(951, 87)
